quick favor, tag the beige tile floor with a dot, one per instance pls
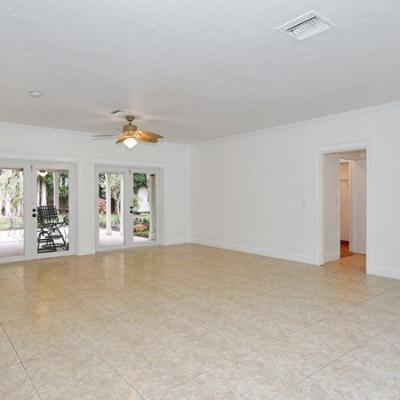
(191, 322)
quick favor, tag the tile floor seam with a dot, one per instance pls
(183, 382)
(379, 295)
(330, 362)
(108, 364)
(203, 371)
(21, 362)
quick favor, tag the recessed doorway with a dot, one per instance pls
(345, 229)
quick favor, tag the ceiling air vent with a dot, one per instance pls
(306, 26)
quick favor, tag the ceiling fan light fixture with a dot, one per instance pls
(130, 135)
(130, 142)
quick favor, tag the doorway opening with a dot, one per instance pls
(345, 207)
(128, 207)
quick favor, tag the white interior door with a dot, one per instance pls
(345, 209)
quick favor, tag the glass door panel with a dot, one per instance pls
(143, 207)
(110, 209)
(11, 212)
(52, 210)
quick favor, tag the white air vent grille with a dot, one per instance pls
(306, 26)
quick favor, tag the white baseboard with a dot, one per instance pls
(358, 249)
(332, 257)
(259, 251)
(393, 273)
(171, 242)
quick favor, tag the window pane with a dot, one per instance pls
(111, 229)
(11, 212)
(52, 193)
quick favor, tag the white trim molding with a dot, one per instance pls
(393, 273)
(258, 251)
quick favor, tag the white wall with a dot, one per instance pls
(26, 143)
(278, 168)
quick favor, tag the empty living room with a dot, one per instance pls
(199, 200)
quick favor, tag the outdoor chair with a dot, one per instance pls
(50, 238)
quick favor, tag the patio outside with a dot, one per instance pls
(11, 212)
(52, 190)
(111, 220)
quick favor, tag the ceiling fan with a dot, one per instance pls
(130, 135)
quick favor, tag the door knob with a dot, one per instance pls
(34, 215)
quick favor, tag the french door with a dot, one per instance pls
(127, 204)
(36, 217)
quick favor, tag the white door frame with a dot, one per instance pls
(320, 203)
(127, 172)
(29, 202)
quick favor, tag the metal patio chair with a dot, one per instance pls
(50, 238)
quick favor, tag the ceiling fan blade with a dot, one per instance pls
(145, 138)
(121, 138)
(149, 134)
(103, 137)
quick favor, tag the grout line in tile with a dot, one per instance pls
(21, 362)
(105, 360)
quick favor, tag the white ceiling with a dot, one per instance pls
(193, 70)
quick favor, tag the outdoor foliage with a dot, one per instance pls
(114, 221)
(11, 193)
(141, 223)
(46, 188)
(139, 181)
(115, 184)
